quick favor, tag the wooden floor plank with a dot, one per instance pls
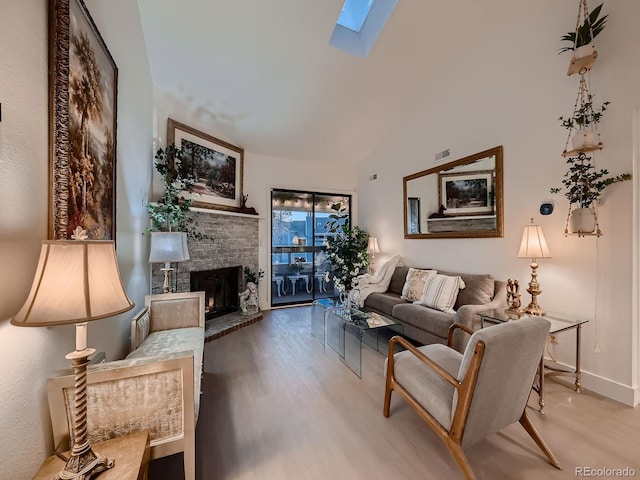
(277, 405)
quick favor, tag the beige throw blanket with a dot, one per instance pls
(376, 283)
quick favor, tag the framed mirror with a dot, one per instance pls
(459, 199)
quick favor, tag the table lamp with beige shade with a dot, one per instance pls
(534, 246)
(76, 281)
(372, 249)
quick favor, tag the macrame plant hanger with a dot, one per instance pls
(581, 64)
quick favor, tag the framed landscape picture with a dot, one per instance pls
(467, 193)
(83, 84)
(216, 164)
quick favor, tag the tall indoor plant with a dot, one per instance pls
(346, 250)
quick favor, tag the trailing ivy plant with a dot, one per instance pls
(171, 213)
(583, 184)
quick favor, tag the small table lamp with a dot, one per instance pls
(77, 281)
(372, 249)
(534, 246)
(167, 247)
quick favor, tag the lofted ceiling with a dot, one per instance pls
(263, 76)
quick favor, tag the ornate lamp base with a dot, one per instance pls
(83, 463)
(534, 290)
(534, 309)
(84, 466)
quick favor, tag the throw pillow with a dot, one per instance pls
(440, 292)
(414, 284)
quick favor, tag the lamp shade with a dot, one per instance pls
(168, 247)
(533, 244)
(76, 281)
(373, 245)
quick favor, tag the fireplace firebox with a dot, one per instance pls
(221, 287)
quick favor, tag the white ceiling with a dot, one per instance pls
(261, 73)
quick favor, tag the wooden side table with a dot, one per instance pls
(131, 455)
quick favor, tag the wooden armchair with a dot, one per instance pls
(466, 397)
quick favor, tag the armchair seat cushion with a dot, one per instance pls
(172, 341)
(428, 388)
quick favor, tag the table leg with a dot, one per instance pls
(578, 371)
(306, 280)
(541, 386)
(293, 286)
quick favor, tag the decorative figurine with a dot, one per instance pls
(513, 298)
(249, 299)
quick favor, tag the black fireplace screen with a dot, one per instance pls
(221, 287)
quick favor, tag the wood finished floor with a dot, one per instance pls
(277, 405)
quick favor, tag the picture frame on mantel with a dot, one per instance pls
(83, 90)
(216, 164)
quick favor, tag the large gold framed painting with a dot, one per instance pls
(83, 82)
(216, 165)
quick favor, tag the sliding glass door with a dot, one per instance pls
(298, 230)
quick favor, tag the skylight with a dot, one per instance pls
(359, 25)
(354, 13)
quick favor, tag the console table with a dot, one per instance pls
(130, 452)
(548, 366)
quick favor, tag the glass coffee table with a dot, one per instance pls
(548, 366)
(346, 330)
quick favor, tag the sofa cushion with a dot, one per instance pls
(383, 302)
(397, 280)
(414, 284)
(441, 292)
(177, 340)
(478, 291)
(425, 318)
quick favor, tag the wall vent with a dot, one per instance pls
(443, 154)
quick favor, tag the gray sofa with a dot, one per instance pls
(427, 325)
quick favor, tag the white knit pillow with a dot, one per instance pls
(414, 284)
(440, 292)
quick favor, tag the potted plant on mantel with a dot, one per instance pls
(583, 187)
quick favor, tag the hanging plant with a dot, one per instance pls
(171, 212)
(586, 31)
(583, 120)
(585, 115)
(583, 185)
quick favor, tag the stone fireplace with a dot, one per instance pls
(231, 243)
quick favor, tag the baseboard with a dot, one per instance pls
(611, 389)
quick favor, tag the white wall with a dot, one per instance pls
(509, 89)
(261, 173)
(29, 355)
